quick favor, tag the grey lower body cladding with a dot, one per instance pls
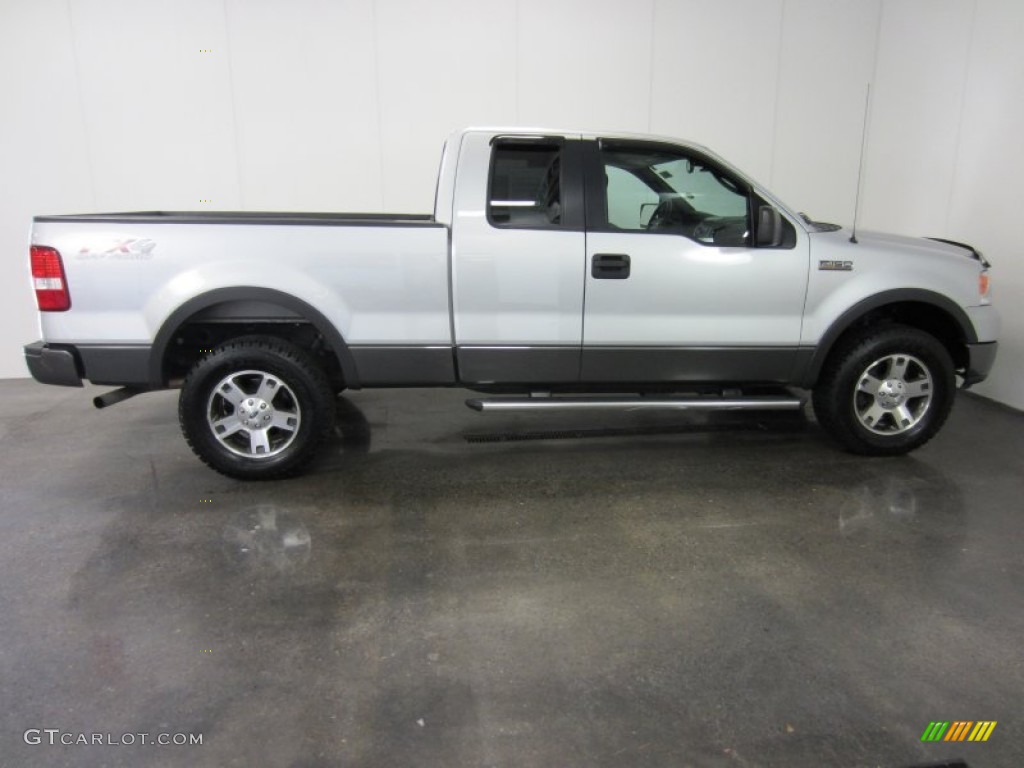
(548, 364)
(440, 365)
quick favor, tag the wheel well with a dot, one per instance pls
(926, 317)
(217, 323)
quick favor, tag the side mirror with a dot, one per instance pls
(646, 212)
(769, 227)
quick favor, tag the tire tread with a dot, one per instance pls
(827, 399)
(316, 379)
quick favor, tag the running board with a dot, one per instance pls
(636, 403)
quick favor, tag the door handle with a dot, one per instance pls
(609, 266)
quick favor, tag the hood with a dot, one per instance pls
(887, 241)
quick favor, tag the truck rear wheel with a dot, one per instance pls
(256, 407)
(886, 392)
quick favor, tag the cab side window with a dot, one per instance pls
(525, 188)
(664, 191)
(630, 201)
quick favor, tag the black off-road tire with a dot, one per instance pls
(842, 412)
(296, 391)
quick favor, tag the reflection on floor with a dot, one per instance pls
(669, 590)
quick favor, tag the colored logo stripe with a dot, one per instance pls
(982, 731)
(958, 730)
(934, 731)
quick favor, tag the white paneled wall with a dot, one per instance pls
(584, 63)
(157, 111)
(828, 58)
(715, 80)
(304, 104)
(916, 114)
(344, 104)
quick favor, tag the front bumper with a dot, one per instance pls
(980, 358)
(53, 365)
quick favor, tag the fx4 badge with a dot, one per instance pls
(835, 266)
(118, 248)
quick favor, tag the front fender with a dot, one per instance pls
(828, 338)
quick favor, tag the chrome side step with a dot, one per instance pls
(633, 403)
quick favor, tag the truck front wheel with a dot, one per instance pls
(256, 407)
(885, 392)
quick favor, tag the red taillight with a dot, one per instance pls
(48, 280)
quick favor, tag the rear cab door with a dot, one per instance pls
(518, 259)
(677, 287)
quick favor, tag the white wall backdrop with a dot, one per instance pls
(344, 104)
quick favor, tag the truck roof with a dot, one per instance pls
(519, 130)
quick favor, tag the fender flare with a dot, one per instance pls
(179, 316)
(812, 368)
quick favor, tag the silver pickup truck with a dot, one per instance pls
(559, 270)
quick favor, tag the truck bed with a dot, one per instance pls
(379, 282)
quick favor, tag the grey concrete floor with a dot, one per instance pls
(682, 591)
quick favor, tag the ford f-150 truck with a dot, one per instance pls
(558, 270)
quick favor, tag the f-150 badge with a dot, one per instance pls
(835, 266)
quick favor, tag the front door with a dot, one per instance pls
(677, 289)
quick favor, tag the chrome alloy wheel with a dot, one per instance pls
(893, 394)
(253, 414)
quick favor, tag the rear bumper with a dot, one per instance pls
(53, 365)
(980, 358)
(68, 364)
